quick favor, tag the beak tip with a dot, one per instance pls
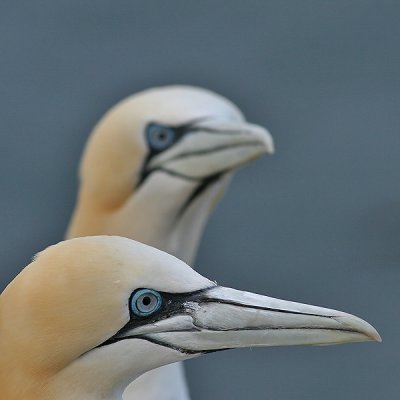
(268, 142)
(375, 336)
(362, 327)
(271, 149)
(370, 332)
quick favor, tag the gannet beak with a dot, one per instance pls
(214, 147)
(221, 318)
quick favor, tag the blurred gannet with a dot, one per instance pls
(152, 170)
(89, 315)
(156, 164)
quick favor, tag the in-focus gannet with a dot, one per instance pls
(153, 169)
(91, 314)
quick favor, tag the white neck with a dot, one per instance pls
(103, 374)
(154, 219)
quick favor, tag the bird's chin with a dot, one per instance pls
(209, 173)
(114, 366)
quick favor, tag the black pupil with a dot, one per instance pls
(162, 135)
(146, 300)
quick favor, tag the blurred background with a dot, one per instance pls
(319, 222)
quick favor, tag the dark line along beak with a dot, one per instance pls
(221, 318)
(212, 147)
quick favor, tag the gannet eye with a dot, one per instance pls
(145, 302)
(160, 137)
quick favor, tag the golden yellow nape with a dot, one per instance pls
(90, 315)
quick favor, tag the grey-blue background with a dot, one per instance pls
(319, 222)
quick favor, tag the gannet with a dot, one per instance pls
(91, 314)
(156, 164)
(152, 170)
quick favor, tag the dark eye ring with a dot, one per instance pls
(160, 137)
(145, 302)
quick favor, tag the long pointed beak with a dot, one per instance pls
(222, 318)
(214, 147)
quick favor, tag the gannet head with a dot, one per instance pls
(89, 315)
(166, 145)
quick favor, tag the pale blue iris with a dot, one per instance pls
(145, 302)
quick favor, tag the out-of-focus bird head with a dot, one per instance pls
(89, 315)
(187, 133)
(159, 151)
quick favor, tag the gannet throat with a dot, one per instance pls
(90, 315)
